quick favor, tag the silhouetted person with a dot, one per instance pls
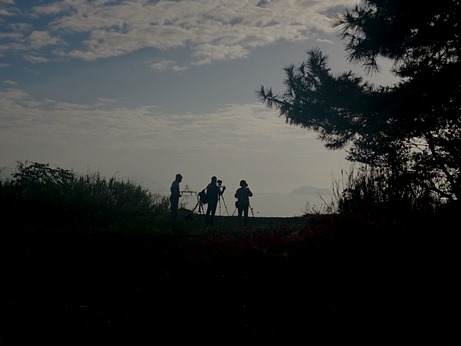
(243, 195)
(174, 196)
(213, 192)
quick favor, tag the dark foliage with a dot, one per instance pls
(39, 198)
(323, 277)
(329, 279)
(412, 130)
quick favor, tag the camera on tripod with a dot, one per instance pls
(220, 185)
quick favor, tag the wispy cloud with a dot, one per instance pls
(212, 29)
(245, 136)
(163, 65)
(10, 82)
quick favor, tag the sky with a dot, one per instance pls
(143, 90)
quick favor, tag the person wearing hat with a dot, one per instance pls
(242, 204)
(213, 192)
(174, 196)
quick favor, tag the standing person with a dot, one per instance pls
(213, 192)
(174, 196)
(243, 195)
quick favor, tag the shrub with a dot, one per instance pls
(55, 199)
(375, 195)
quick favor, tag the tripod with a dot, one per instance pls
(219, 203)
(200, 206)
(249, 207)
(200, 210)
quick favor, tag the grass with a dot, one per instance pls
(85, 266)
(271, 280)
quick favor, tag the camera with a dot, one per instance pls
(219, 182)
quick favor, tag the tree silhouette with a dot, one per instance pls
(411, 129)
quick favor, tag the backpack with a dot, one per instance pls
(203, 197)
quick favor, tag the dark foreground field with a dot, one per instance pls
(261, 283)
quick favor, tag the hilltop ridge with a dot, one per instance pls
(311, 190)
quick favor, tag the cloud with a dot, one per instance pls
(163, 65)
(76, 112)
(212, 29)
(247, 139)
(35, 59)
(8, 8)
(10, 82)
(40, 39)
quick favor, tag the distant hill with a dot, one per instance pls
(311, 190)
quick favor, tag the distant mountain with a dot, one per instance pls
(152, 185)
(311, 190)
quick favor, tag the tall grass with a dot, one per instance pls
(381, 198)
(364, 186)
(41, 198)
